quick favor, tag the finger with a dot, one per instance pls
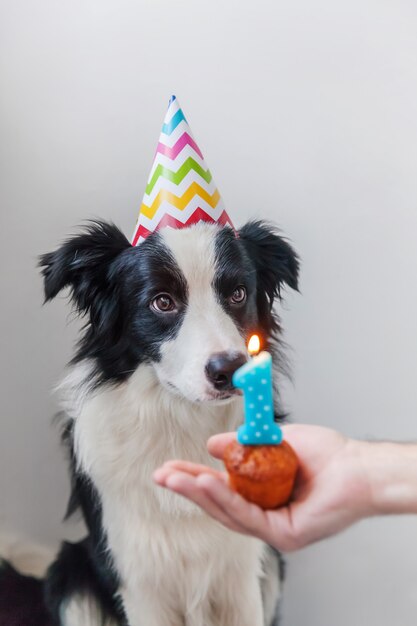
(273, 526)
(282, 534)
(217, 444)
(241, 512)
(194, 469)
(160, 475)
(185, 485)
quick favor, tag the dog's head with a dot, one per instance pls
(184, 301)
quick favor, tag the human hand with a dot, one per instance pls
(331, 492)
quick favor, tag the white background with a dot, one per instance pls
(306, 113)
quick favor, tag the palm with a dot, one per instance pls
(328, 491)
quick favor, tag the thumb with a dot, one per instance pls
(217, 444)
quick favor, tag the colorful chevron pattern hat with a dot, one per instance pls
(180, 190)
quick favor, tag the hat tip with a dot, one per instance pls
(171, 100)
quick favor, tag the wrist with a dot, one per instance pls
(390, 470)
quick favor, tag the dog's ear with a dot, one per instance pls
(275, 260)
(82, 263)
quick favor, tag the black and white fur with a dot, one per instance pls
(137, 394)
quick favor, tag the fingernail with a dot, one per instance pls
(206, 479)
(172, 479)
(158, 475)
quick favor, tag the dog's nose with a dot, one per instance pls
(221, 367)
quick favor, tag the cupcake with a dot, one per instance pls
(263, 475)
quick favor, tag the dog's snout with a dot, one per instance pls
(221, 367)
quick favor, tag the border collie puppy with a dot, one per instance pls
(166, 327)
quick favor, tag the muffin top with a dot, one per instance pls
(261, 463)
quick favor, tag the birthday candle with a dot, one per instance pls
(255, 379)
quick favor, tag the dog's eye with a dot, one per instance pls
(163, 303)
(238, 296)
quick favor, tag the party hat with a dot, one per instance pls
(180, 190)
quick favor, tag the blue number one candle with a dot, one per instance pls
(255, 379)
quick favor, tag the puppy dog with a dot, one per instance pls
(166, 326)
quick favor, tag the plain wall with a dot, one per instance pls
(306, 113)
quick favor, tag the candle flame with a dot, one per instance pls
(254, 345)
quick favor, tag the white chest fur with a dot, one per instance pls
(177, 566)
